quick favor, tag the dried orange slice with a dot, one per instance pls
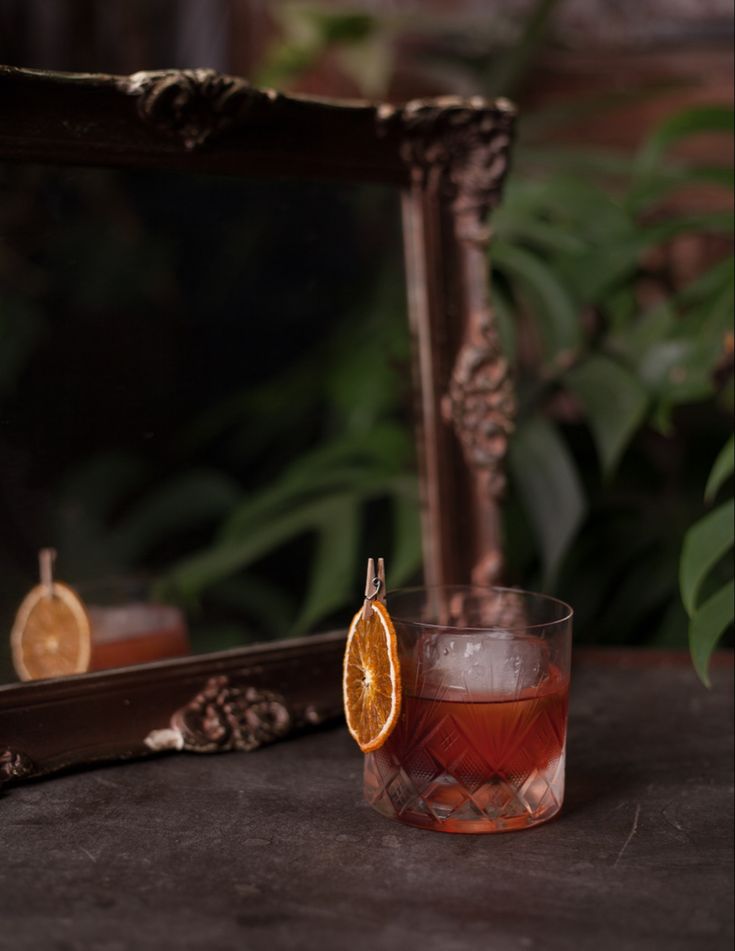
(371, 682)
(51, 636)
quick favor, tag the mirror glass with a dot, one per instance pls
(204, 404)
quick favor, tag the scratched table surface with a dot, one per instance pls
(275, 849)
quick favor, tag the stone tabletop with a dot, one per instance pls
(275, 849)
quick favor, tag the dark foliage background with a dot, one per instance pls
(612, 282)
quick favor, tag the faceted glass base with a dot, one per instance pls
(439, 801)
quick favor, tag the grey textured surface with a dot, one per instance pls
(275, 849)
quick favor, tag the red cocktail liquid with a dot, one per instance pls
(460, 762)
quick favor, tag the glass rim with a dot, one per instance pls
(480, 590)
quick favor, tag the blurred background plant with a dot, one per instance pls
(195, 418)
(613, 287)
(623, 358)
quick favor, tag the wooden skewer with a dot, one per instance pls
(46, 559)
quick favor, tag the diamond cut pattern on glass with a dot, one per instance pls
(461, 756)
(448, 744)
(422, 768)
(401, 792)
(470, 769)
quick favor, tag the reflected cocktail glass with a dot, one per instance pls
(130, 625)
(480, 742)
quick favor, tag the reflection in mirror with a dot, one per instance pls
(203, 403)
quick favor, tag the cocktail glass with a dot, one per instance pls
(480, 742)
(130, 626)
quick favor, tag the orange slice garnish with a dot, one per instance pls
(371, 681)
(51, 636)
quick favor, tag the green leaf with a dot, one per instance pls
(548, 296)
(85, 505)
(652, 178)
(254, 597)
(344, 27)
(619, 312)
(268, 411)
(614, 402)
(360, 399)
(707, 626)
(602, 270)
(548, 483)
(715, 280)
(524, 225)
(370, 63)
(709, 222)
(283, 496)
(571, 110)
(606, 266)
(595, 216)
(505, 317)
(679, 370)
(99, 484)
(704, 545)
(507, 70)
(667, 179)
(722, 469)
(195, 573)
(344, 462)
(214, 635)
(333, 566)
(642, 587)
(587, 162)
(188, 501)
(297, 48)
(693, 121)
(637, 336)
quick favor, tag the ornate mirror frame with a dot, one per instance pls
(448, 157)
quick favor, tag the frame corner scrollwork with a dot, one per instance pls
(14, 765)
(193, 106)
(465, 142)
(224, 716)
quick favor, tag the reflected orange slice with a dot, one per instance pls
(51, 636)
(371, 681)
